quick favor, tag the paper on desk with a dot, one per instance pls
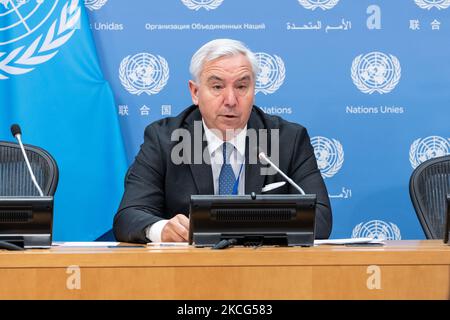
(86, 244)
(167, 244)
(349, 241)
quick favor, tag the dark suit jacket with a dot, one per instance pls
(156, 188)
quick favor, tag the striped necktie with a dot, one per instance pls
(227, 178)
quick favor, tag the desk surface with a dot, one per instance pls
(398, 270)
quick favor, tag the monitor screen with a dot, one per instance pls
(286, 220)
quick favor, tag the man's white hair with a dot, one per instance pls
(217, 49)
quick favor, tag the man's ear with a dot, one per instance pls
(193, 88)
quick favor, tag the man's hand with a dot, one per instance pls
(176, 230)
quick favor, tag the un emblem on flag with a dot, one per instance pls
(376, 72)
(428, 148)
(205, 4)
(377, 229)
(428, 4)
(144, 72)
(271, 73)
(322, 4)
(94, 4)
(329, 155)
(19, 19)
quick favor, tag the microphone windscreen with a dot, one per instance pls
(15, 129)
(261, 155)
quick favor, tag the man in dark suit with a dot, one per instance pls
(208, 149)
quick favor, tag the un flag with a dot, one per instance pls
(52, 85)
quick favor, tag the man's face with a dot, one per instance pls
(225, 93)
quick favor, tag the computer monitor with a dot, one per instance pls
(26, 221)
(447, 222)
(286, 220)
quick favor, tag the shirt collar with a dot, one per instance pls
(214, 142)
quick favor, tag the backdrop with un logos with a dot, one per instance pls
(369, 79)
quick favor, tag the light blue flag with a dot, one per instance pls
(51, 84)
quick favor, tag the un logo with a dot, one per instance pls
(144, 72)
(19, 19)
(205, 4)
(271, 73)
(428, 4)
(322, 4)
(377, 229)
(94, 4)
(428, 148)
(376, 71)
(329, 155)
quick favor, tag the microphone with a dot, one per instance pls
(262, 156)
(16, 132)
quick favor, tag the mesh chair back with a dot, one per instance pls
(428, 188)
(15, 179)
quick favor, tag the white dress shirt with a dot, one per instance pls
(237, 160)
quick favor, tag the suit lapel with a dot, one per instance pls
(253, 179)
(201, 170)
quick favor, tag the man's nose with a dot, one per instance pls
(230, 97)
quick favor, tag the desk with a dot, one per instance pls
(399, 270)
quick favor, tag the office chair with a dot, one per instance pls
(428, 187)
(15, 179)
